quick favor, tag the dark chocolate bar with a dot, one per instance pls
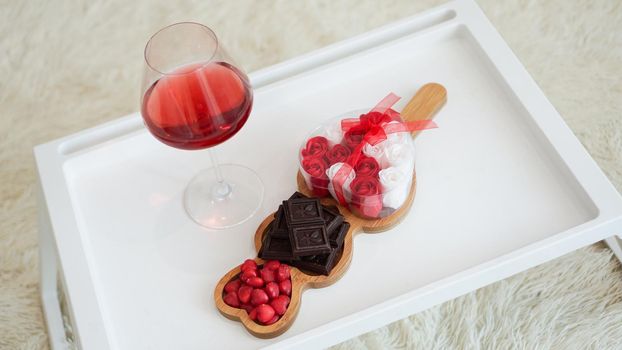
(337, 237)
(275, 248)
(309, 240)
(306, 234)
(321, 264)
(303, 211)
(279, 218)
(333, 220)
(279, 226)
(276, 233)
(297, 195)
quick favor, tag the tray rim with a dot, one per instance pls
(89, 316)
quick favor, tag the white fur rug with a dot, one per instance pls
(66, 65)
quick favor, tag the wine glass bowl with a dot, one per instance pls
(197, 100)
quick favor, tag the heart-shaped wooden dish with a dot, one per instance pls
(428, 100)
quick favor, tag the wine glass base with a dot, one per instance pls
(221, 205)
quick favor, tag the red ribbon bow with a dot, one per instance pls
(376, 125)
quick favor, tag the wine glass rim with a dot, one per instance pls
(208, 61)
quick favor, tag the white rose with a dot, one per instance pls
(333, 133)
(401, 156)
(332, 171)
(395, 187)
(377, 152)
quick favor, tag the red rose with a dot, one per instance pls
(338, 153)
(367, 166)
(372, 119)
(366, 196)
(354, 136)
(316, 147)
(316, 169)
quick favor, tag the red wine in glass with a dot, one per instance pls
(194, 97)
(198, 105)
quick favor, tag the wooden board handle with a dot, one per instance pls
(424, 105)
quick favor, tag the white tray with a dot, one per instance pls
(503, 185)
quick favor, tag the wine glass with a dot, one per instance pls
(195, 97)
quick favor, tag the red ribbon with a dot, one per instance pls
(386, 103)
(377, 124)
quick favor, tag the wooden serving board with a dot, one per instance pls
(424, 105)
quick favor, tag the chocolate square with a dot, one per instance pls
(337, 237)
(322, 263)
(273, 231)
(276, 233)
(303, 211)
(297, 195)
(275, 248)
(279, 226)
(279, 218)
(309, 240)
(333, 220)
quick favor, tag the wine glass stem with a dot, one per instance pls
(221, 189)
